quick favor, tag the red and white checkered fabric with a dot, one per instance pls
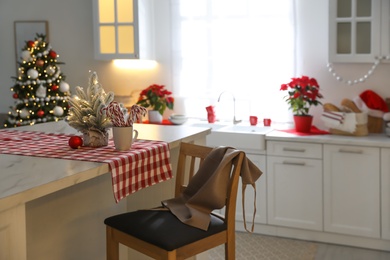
(145, 164)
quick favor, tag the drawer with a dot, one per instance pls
(294, 149)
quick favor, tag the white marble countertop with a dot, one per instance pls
(371, 140)
(24, 178)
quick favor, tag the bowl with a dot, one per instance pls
(178, 119)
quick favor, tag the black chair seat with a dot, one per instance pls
(162, 228)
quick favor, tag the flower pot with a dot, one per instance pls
(95, 138)
(303, 123)
(155, 117)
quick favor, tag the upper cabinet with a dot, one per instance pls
(358, 30)
(123, 29)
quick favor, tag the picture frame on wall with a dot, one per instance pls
(27, 30)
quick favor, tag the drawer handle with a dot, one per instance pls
(294, 163)
(350, 151)
(301, 150)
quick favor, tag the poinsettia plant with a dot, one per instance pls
(303, 92)
(156, 97)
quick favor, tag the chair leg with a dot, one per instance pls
(230, 249)
(112, 246)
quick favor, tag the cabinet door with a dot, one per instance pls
(123, 29)
(385, 189)
(294, 192)
(354, 30)
(352, 190)
(261, 193)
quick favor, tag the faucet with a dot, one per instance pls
(235, 121)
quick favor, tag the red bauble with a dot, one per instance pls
(75, 142)
(54, 87)
(30, 44)
(40, 113)
(39, 63)
(15, 95)
(52, 54)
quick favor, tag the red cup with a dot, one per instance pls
(253, 120)
(267, 122)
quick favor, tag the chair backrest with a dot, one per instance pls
(191, 156)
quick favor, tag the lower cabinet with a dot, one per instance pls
(294, 183)
(352, 190)
(294, 192)
(385, 190)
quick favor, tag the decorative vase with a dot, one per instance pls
(303, 123)
(155, 117)
(95, 138)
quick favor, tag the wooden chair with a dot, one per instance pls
(160, 235)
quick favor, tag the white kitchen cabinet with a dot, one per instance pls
(385, 192)
(352, 190)
(123, 29)
(294, 183)
(356, 28)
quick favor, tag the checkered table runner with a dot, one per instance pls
(146, 164)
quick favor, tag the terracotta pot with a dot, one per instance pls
(155, 117)
(303, 123)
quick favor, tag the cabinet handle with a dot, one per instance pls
(301, 150)
(350, 151)
(294, 163)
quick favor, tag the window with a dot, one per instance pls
(245, 47)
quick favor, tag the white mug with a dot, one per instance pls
(124, 137)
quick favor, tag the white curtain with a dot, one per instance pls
(245, 47)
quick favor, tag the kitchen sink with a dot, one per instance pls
(246, 129)
(241, 136)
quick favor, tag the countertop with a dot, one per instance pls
(372, 140)
(24, 178)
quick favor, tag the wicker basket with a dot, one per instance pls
(375, 124)
(361, 130)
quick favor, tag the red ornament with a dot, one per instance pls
(40, 113)
(30, 44)
(15, 95)
(54, 87)
(39, 63)
(75, 142)
(52, 54)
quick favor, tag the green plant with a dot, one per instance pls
(156, 97)
(303, 92)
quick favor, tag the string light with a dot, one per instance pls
(362, 79)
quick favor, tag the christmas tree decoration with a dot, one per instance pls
(64, 87)
(41, 91)
(26, 55)
(75, 142)
(58, 111)
(40, 113)
(86, 115)
(32, 73)
(24, 113)
(36, 89)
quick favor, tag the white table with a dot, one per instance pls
(54, 208)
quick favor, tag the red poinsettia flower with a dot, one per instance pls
(156, 97)
(303, 92)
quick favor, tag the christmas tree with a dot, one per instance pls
(40, 92)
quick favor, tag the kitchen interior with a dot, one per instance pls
(334, 188)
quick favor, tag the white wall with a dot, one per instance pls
(70, 28)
